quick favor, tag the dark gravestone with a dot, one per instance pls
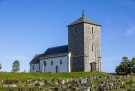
(10, 90)
(64, 89)
(32, 89)
(56, 89)
(45, 81)
(20, 89)
(100, 88)
(69, 86)
(37, 84)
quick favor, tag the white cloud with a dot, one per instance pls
(131, 29)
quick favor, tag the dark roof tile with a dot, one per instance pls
(83, 20)
(56, 50)
(51, 52)
(36, 59)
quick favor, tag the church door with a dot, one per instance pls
(57, 69)
(93, 66)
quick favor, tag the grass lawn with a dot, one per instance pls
(36, 76)
(24, 77)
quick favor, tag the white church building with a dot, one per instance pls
(54, 59)
(81, 54)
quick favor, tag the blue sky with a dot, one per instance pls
(29, 27)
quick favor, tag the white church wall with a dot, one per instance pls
(69, 59)
(34, 67)
(56, 64)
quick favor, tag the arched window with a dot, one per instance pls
(33, 67)
(44, 63)
(92, 48)
(92, 30)
(51, 62)
(57, 69)
(60, 62)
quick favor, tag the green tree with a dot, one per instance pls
(125, 61)
(125, 66)
(16, 66)
(133, 63)
(0, 66)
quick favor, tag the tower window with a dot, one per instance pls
(92, 30)
(92, 48)
(51, 62)
(60, 62)
(44, 63)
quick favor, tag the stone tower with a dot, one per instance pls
(84, 45)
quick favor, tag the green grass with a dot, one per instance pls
(23, 77)
(36, 76)
(47, 76)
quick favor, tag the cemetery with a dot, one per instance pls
(74, 81)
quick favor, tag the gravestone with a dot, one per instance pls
(56, 89)
(63, 81)
(20, 89)
(50, 89)
(56, 83)
(83, 81)
(88, 89)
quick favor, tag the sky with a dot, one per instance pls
(29, 27)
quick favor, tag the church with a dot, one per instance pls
(82, 54)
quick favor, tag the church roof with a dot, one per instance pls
(36, 60)
(51, 52)
(83, 19)
(56, 50)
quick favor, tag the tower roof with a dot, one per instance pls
(83, 19)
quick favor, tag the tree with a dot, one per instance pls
(133, 63)
(16, 66)
(0, 66)
(126, 66)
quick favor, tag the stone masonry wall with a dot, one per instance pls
(84, 45)
(92, 39)
(76, 47)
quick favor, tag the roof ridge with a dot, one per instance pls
(57, 46)
(83, 19)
